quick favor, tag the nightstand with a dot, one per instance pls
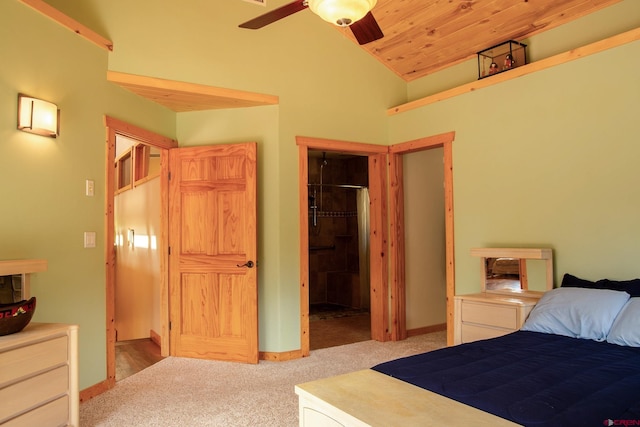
(489, 315)
(512, 281)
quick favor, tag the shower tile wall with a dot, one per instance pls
(333, 241)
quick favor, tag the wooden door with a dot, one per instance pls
(213, 294)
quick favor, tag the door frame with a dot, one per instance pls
(388, 292)
(118, 127)
(379, 270)
(396, 238)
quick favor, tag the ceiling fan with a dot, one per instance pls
(364, 26)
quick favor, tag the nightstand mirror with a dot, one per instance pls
(515, 270)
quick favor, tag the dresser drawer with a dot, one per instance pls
(54, 413)
(30, 393)
(24, 361)
(500, 316)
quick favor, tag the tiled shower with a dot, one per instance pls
(337, 227)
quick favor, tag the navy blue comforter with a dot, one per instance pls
(533, 379)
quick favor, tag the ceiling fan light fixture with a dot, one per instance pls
(341, 12)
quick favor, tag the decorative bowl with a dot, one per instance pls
(15, 316)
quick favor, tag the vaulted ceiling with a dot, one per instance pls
(421, 37)
(425, 36)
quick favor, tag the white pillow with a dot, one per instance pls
(626, 327)
(576, 312)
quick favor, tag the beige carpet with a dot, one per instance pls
(192, 392)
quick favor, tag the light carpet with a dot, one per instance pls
(191, 392)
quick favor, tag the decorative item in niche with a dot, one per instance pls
(14, 317)
(500, 58)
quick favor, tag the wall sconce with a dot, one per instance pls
(38, 116)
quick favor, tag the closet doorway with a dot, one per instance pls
(387, 281)
(338, 212)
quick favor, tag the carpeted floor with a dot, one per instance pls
(192, 392)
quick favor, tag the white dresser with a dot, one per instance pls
(39, 376)
(512, 281)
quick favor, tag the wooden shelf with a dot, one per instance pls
(183, 96)
(22, 266)
(590, 49)
(69, 23)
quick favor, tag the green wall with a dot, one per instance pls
(558, 143)
(44, 210)
(424, 238)
(548, 159)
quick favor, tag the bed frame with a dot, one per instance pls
(369, 398)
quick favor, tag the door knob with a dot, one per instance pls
(248, 264)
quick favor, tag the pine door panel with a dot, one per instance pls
(213, 293)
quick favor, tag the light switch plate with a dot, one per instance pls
(89, 239)
(89, 187)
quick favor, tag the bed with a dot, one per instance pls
(575, 362)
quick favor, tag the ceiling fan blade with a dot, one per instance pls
(275, 15)
(366, 29)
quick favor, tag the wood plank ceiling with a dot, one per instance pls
(421, 38)
(425, 36)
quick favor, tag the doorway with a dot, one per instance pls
(338, 211)
(115, 181)
(137, 270)
(387, 231)
(397, 241)
(376, 158)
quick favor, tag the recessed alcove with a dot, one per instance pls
(15, 278)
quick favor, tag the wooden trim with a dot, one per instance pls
(140, 134)
(590, 49)
(110, 253)
(303, 209)
(95, 390)
(164, 254)
(341, 146)
(524, 275)
(378, 238)
(450, 238)
(69, 23)
(528, 253)
(140, 163)
(117, 127)
(120, 172)
(155, 338)
(427, 330)
(397, 252)
(282, 356)
(422, 143)
(22, 266)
